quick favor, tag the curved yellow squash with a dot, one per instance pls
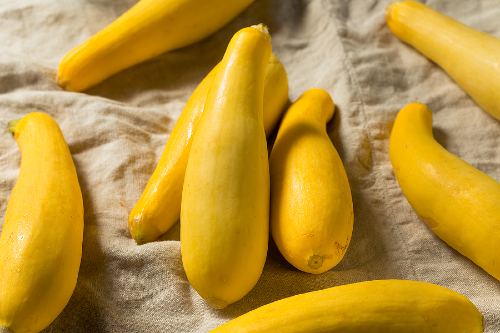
(41, 240)
(383, 306)
(160, 204)
(459, 203)
(225, 199)
(311, 204)
(149, 28)
(470, 57)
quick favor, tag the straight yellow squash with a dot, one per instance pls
(149, 28)
(160, 204)
(459, 203)
(470, 57)
(383, 306)
(311, 204)
(225, 199)
(41, 240)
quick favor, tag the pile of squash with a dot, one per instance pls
(217, 177)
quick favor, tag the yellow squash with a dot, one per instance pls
(160, 204)
(470, 57)
(225, 199)
(459, 203)
(311, 204)
(149, 28)
(41, 240)
(383, 306)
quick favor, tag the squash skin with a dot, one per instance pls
(225, 199)
(470, 57)
(311, 204)
(148, 29)
(380, 306)
(159, 206)
(41, 240)
(459, 203)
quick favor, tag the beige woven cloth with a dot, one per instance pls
(117, 131)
